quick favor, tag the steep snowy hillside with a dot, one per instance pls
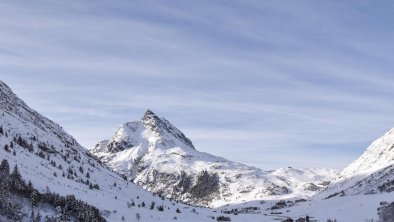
(54, 162)
(160, 158)
(372, 172)
(378, 155)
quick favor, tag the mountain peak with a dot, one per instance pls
(151, 120)
(149, 114)
(162, 126)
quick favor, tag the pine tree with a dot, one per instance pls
(38, 217)
(59, 215)
(138, 216)
(81, 215)
(152, 206)
(64, 215)
(16, 179)
(4, 169)
(32, 215)
(96, 186)
(17, 214)
(15, 175)
(6, 148)
(34, 198)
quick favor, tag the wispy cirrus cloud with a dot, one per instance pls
(302, 83)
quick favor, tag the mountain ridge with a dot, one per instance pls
(153, 151)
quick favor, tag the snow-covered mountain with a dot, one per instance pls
(372, 172)
(362, 191)
(160, 158)
(54, 162)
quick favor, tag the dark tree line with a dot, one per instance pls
(8, 207)
(387, 187)
(23, 143)
(206, 184)
(67, 207)
(223, 218)
(386, 213)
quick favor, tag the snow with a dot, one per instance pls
(371, 170)
(377, 156)
(346, 208)
(18, 119)
(155, 144)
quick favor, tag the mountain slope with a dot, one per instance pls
(371, 173)
(160, 158)
(54, 162)
(378, 155)
(361, 192)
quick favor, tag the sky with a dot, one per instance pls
(266, 83)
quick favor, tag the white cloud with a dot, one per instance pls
(265, 75)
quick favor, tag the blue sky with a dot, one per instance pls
(266, 83)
